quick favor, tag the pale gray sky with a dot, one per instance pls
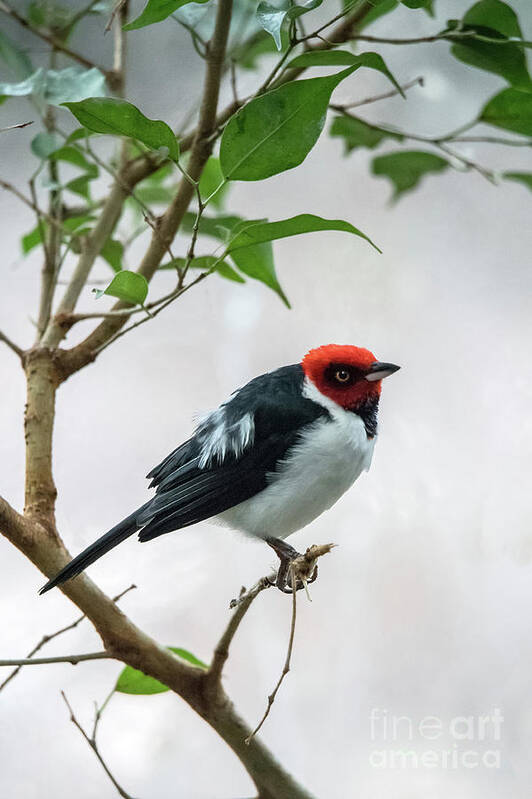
(423, 610)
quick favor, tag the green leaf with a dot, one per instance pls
(258, 232)
(72, 85)
(277, 130)
(127, 286)
(71, 155)
(333, 58)
(511, 109)
(133, 681)
(217, 227)
(31, 240)
(57, 87)
(405, 169)
(44, 144)
(113, 252)
(271, 18)
(51, 15)
(379, 10)
(109, 115)
(247, 56)
(80, 186)
(14, 58)
(156, 11)
(154, 195)
(520, 177)
(211, 178)
(79, 133)
(205, 262)
(427, 5)
(494, 14)
(74, 223)
(257, 262)
(357, 133)
(496, 20)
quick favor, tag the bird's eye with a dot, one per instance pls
(342, 375)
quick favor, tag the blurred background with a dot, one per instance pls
(424, 607)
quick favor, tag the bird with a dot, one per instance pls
(268, 461)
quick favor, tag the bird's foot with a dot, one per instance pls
(302, 568)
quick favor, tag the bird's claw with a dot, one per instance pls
(292, 564)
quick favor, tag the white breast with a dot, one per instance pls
(331, 454)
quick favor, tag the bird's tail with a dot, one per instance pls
(115, 536)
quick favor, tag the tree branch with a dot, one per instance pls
(49, 637)
(30, 203)
(385, 96)
(51, 40)
(286, 667)
(11, 344)
(440, 142)
(17, 126)
(126, 642)
(91, 740)
(73, 659)
(241, 606)
(172, 218)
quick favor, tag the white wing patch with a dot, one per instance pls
(219, 438)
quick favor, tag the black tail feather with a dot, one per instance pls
(115, 536)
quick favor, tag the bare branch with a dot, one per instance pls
(440, 142)
(286, 667)
(361, 37)
(14, 127)
(241, 607)
(126, 642)
(30, 203)
(117, 7)
(385, 96)
(91, 740)
(73, 659)
(118, 20)
(11, 344)
(51, 238)
(46, 638)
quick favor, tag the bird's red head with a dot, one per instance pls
(348, 375)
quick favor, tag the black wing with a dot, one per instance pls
(189, 491)
(191, 487)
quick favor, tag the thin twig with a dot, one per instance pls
(73, 659)
(241, 607)
(385, 96)
(488, 174)
(493, 140)
(361, 37)
(119, 50)
(91, 740)
(234, 88)
(440, 142)
(14, 127)
(46, 638)
(30, 203)
(12, 346)
(81, 13)
(51, 40)
(173, 296)
(114, 12)
(286, 667)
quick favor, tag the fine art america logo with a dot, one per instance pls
(402, 742)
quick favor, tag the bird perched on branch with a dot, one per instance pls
(273, 457)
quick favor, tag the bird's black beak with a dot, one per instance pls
(378, 370)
